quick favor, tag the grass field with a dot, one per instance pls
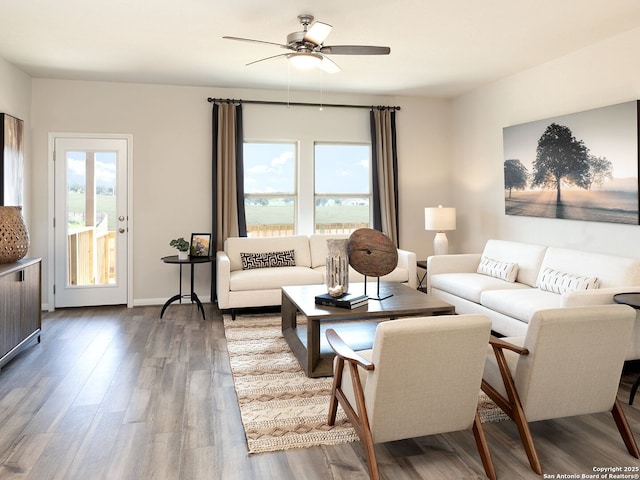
(266, 215)
(273, 215)
(594, 206)
(106, 203)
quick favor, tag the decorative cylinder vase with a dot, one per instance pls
(183, 255)
(14, 237)
(337, 267)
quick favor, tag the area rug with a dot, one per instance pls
(282, 408)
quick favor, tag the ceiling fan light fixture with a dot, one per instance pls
(318, 33)
(305, 60)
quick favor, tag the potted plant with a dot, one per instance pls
(183, 247)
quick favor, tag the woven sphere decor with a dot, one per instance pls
(14, 237)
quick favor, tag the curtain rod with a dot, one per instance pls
(300, 104)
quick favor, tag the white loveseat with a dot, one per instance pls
(541, 278)
(259, 287)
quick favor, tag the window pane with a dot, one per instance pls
(341, 214)
(342, 187)
(269, 168)
(342, 169)
(269, 216)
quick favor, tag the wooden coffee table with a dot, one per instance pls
(356, 327)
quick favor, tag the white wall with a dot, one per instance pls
(600, 75)
(15, 100)
(172, 153)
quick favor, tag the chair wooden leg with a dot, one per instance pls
(517, 413)
(527, 440)
(369, 450)
(624, 429)
(361, 422)
(483, 448)
(337, 383)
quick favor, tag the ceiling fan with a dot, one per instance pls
(307, 49)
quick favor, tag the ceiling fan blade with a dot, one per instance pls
(355, 50)
(268, 58)
(255, 41)
(329, 66)
(318, 33)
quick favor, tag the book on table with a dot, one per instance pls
(346, 300)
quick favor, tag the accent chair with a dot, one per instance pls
(422, 377)
(569, 363)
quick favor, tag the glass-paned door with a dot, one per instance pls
(91, 224)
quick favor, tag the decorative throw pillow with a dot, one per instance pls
(268, 259)
(495, 268)
(559, 282)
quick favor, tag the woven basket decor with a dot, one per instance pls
(14, 237)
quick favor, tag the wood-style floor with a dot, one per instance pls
(116, 393)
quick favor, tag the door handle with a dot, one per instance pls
(121, 230)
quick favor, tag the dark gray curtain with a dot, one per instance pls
(384, 161)
(228, 217)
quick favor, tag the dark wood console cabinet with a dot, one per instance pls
(20, 306)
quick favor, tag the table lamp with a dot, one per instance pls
(440, 219)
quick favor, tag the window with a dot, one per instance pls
(342, 187)
(301, 188)
(270, 188)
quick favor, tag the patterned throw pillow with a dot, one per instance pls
(495, 268)
(268, 259)
(559, 282)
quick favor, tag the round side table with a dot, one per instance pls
(633, 300)
(192, 261)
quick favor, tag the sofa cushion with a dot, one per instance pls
(234, 246)
(399, 274)
(494, 268)
(527, 256)
(610, 270)
(471, 285)
(319, 248)
(273, 278)
(520, 304)
(268, 259)
(561, 282)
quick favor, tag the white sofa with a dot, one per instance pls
(545, 277)
(258, 287)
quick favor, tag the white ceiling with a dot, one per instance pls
(439, 48)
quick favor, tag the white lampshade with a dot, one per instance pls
(439, 218)
(305, 60)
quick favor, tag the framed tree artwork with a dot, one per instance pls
(581, 166)
(11, 160)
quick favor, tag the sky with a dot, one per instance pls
(340, 169)
(105, 168)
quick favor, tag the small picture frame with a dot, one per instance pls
(200, 244)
